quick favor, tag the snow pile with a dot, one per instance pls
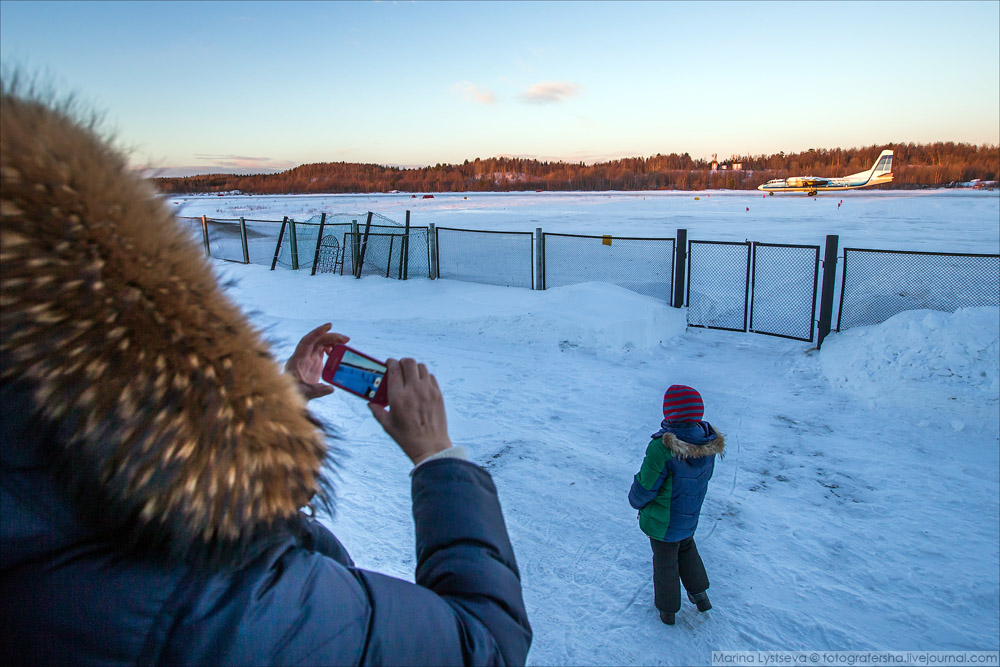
(592, 317)
(926, 357)
(598, 316)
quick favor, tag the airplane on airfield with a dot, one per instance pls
(881, 172)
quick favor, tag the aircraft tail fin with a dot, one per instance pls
(880, 172)
(883, 165)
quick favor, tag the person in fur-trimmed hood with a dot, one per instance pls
(156, 460)
(669, 490)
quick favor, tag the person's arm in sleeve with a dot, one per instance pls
(298, 605)
(651, 475)
(463, 551)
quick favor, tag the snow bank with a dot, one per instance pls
(595, 317)
(922, 357)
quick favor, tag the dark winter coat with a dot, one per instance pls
(155, 460)
(671, 484)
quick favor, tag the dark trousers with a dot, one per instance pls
(675, 563)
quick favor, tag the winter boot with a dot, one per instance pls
(667, 617)
(700, 599)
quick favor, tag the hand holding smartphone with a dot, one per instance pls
(417, 419)
(357, 373)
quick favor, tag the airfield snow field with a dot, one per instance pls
(858, 505)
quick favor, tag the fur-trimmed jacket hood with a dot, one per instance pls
(686, 450)
(173, 418)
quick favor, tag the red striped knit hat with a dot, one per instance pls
(682, 404)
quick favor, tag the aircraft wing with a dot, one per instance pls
(807, 181)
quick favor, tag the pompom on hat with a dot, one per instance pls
(682, 404)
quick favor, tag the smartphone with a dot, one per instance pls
(357, 373)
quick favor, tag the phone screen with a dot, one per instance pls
(359, 374)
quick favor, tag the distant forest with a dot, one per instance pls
(914, 166)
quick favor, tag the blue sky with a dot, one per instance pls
(274, 85)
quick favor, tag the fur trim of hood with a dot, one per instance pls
(686, 450)
(175, 413)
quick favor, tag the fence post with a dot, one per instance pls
(243, 238)
(364, 247)
(406, 249)
(432, 241)
(829, 280)
(388, 264)
(295, 246)
(680, 267)
(355, 246)
(539, 258)
(319, 242)
(204, 235)
(277, 248)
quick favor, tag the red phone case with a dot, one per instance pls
(364, 377)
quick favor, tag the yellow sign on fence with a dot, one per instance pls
(607, 239)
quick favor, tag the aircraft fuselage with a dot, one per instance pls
(881, 172)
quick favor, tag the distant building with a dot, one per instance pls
(733, 164)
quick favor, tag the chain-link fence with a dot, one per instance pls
(718, 284)
(262, 237)
(297, 245)
(877, 284)
(759, 287)
(642, 265)
(225, 239)
(494, 258)
(783, 290)
(193, 226)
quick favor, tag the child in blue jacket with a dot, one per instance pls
(669, 490)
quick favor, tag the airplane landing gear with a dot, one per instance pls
(771, 193)
(811, 193)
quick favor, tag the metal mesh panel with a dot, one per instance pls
(418, 260)
(298, 245)
(306, 235)
(877, 284)
(383, 254)
(494, 258)
(784, 290)
(643, 265)
(718, 281)
(192, 225)
(380, 220)
(262, 237)
(225, 241)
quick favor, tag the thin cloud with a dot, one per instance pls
(471, 93)
(243, 161)
(550, 92)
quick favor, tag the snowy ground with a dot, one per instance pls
(927, 220)
(858, 507)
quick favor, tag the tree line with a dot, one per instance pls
(915, 166)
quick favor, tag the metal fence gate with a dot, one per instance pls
(783, 290)
(718, 284)
(765, 288)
